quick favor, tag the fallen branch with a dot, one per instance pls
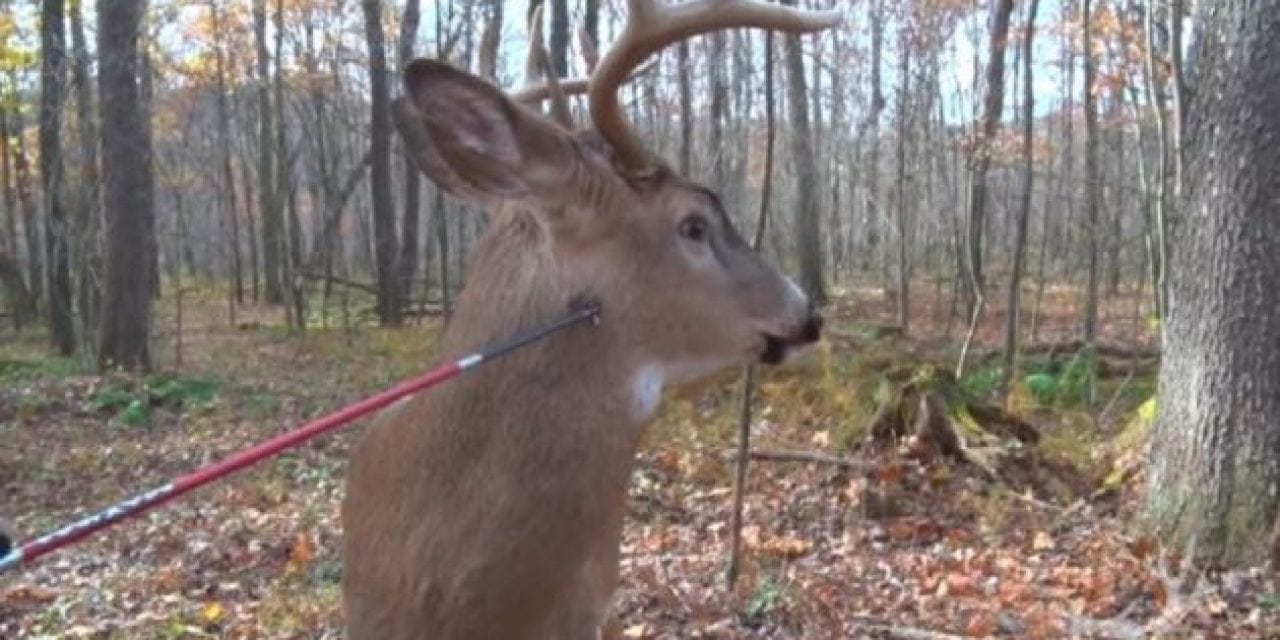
(1072, 346)
(800, 456)
(903, 633)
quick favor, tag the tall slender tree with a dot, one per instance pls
(808, 225)
(227, 189)
(384, 225)
(1091, 186)
(88, 212)
(408, 262)
(992, 108)
(53, 83)
(1014, 310)
(269, 201)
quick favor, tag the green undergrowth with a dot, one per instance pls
(132, 400)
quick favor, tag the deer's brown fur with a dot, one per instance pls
(492, 508)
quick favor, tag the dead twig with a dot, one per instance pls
(800, 456)
(903, 633)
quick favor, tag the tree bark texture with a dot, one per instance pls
(384, 226)
(273, 249)
(1013, 310)
(88, 212)
(1214, 465)
(808, 234)
(1091, 188)
(992, 107)
(127, 188)
(408, 263)
(57, 233)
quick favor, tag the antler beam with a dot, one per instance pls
(654, 24)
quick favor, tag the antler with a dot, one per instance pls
(654, 24)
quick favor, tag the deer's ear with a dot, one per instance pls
(476, 142)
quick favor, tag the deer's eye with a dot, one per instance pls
(695, 227)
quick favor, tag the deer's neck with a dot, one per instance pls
(579, 395)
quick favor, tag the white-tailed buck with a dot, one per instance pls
(492, 509)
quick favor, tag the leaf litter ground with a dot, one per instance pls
(888, 544)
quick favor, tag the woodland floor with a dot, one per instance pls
(886, 544)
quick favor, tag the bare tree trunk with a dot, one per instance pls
(1014, 311)
(748, 381)
(993, 107)
(384, 231)
(1177, 83)
(11, 267)
(686, 108)
(15, 289)
(591, 20)
(1155, 96)
(1211, 489)
(57, 233)
(900, 186)
(268, 202)
(286, 197)
(408, 262)
(808, 234)
(1116, 194)
(715, 128)
(146, 89)
(251, 230)
(1090, 174)
(127, 188)
(228, 189)
(871, 220)
(27, 208)
(559, 37)
(88, 213)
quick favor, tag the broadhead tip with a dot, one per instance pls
(588, 304)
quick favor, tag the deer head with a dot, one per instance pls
(493, 508)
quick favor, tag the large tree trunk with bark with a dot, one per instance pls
(384, 225)
(127, 188)
(57, 233)
(1214, 463)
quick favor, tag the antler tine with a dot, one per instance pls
(654, 24)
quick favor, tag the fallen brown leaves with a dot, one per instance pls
(886, 547)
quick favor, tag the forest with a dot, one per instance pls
(1043, 237)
